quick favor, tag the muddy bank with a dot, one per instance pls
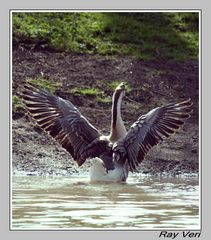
(152, 84)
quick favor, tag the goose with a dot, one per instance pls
(112, 156)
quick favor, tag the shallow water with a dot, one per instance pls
(144, 202)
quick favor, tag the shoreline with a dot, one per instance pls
(153, 84)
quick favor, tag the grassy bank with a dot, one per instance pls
(143, 35)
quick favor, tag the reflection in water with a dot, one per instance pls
(144, 202)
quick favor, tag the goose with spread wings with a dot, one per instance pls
(115, 155)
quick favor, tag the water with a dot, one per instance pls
(144, 202)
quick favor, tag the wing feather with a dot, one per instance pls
(149, 130)
(60, 119)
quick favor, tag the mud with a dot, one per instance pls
(153, 84)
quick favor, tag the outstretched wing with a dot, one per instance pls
(62, 120)
(148, 131)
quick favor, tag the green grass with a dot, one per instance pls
(96, 93)
(104, 99)
(91, 92)
(16, 101)
(17, 105)
(142, 35)
(45, 84)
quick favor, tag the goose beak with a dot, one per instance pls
(121, 86)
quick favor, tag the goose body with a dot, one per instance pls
(112, 156)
